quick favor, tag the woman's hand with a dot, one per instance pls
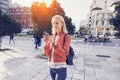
(50, 39)
(47, 38)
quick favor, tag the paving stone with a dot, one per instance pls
(48, 78)
(90, 78)
(113, 70)
(78, 76)
(90, 73)
(96, 66)
(91, 60)
(41, 77)
(87, 66)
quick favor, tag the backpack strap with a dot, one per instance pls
(64, 40)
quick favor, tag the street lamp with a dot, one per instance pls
(105, 4)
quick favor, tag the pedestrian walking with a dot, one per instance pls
(11, 38)
(55, 50)
(85, 40)
(98, 39)
(36, 40)
(40, 41)
(104, 40)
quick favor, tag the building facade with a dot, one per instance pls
(98, 18)
(114, 4)
(100, 23)
(5, 5)
(22, 15)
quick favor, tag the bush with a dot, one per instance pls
(101, 40)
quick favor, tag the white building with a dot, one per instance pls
(5, 5)
(98, 18)
(114, 4)
(83, 23)
(100, 23)
(104, 4)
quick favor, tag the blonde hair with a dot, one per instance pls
(61, 19)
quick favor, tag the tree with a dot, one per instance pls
(8, 26)
(56, 9)
(83, 30)
(70, 26)
(115, 21)
(41, 17)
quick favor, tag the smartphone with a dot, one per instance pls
(45, 33)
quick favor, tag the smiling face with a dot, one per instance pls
(57, 24)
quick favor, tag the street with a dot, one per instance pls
(21, 61)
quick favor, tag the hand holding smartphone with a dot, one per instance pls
(45, 33)
(47, 37)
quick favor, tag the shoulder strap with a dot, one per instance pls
(64, 39)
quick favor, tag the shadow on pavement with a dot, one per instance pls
(106, 56)
(5, 49)
(41, 56)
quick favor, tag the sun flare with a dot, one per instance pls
(48, 2)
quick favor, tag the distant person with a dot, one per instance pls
(90, 38)
(75, 35)
(104, 40)
(36, 40)
(98, 39)
(11, 38)
(85, 40)
(40, 41)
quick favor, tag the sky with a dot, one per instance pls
(75, 9)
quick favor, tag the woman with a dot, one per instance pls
(55, 50)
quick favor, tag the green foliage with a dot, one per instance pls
(41, 16)
(116, 19)
(83, 30)
(101, 40)
(70, 26)
(8, 26)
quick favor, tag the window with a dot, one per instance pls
(97, 22)
(102, 22)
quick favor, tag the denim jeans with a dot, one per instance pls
(61, 73)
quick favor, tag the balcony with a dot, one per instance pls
(96, 8)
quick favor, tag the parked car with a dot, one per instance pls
(22, 33)
(26, 32)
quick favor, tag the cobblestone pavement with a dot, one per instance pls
(92, 62)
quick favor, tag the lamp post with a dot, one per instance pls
(105, 4)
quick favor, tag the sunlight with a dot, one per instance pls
(48, 2)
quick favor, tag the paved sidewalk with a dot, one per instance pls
(90, 63)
